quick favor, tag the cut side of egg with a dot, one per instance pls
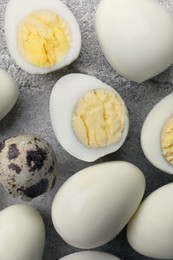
(157, 135)
(96, 203)
(136, 37)
(89, 117)
(42, 36)
(150, 231)
(90, 255)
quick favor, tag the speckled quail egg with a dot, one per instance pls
(136, 37)
(157, 135)
(22, 233)
(28, 166)
(89, 117)
(42, 36)
(9, 93)
(90, 255)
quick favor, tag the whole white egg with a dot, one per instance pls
(150, 232)
(42, 36)
(9, 93)
(90, 255)
(96, 203)
(151, 135)
(22, 233)
(136, 37)
(63, 100)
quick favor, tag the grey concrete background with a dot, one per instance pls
(31, 115)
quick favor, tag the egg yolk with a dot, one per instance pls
(43, 38)
(99, 118)
(167, 140)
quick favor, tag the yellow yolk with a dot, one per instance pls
(43, 38)
(167, 140)
(99, 118)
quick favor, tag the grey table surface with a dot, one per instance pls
(31, 115)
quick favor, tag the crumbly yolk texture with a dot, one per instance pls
(43, 38)
(99, 118)
(167, 140)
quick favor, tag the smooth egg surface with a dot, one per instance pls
(22, 233)
(136, 37)
(63, 100)
(42, 36)
(150, 232)
(151, 133)
(9, 93)
(95, 204)
(90, 255)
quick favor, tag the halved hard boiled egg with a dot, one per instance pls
(157, 135)
(42, 36)
(89, 117)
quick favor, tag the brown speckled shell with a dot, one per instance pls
(28, 166)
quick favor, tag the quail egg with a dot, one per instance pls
(157, 135)
(89, 117)
(42, 36)
(28, 166)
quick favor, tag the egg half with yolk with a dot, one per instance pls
(89, 117)
(42, 36)
(157, 135)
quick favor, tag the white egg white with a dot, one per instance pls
(9, 93)
(22, 233)
(150, 231)
(96, 203)
(64, 97)
(136, 37)
(18, 9)
(151, 132)
(90, 255)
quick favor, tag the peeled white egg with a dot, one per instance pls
(151, 134)
(90, 255)
(9, 93)
(136, 37)
(96, 203)
(22, 233)
(48, 28)
(150, 232)
(64, 98)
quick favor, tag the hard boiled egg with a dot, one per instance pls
(42, 36)
(22, 233)
(90, 255)
(157, 135)
(89, 117)
(136, 37)
(95, 204)
(150, 232)
(9, 93)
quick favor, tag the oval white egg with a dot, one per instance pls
(64, 97)
(151, 132)
(22, 233)
(9, 93)
(95, 204)
(136, 37)
(150, 232)
(90, 255)
(22, 9)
